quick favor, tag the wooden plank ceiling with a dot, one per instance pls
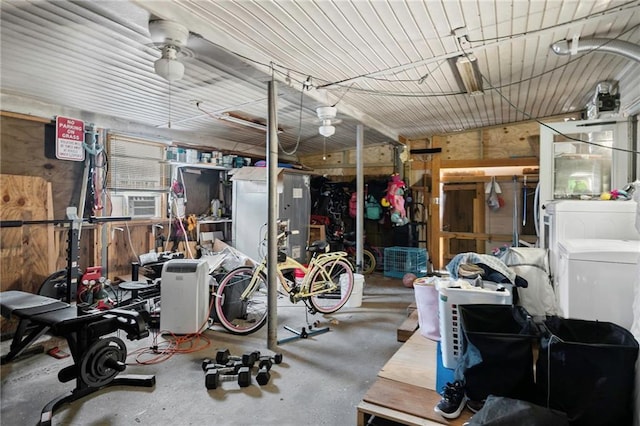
(386, 64)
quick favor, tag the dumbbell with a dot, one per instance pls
(263, 376)
(276, 359)
(268, 361)
(208, 364)
(213, 378)
(223, 356)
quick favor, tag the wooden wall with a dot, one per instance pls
(506, 146)
(36, 187)
(26, 251)
(377, 160)
(22, 152)
(516, 140)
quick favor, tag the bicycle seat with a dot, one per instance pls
(318, 246)
(350, 238)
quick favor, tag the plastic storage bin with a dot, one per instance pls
(586, 369)
(425, 292)
(497, 352)
(450, 297)
(402, 260)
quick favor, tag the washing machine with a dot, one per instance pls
(596, 279)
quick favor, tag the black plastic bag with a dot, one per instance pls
(497, 352)
(501, 411)
(586, 369)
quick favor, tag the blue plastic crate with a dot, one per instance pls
(402, 260)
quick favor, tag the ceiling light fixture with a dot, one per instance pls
(244, 122)
(168, 67)
(326, 114)
(327, 130)
(170, 37)
(469, 74)
(233, 119)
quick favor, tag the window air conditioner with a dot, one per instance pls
(136, 204)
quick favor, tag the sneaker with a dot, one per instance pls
(474, 406)
(453, 400)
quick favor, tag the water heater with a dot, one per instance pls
(184, 296)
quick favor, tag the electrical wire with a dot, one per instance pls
(342, 96)
(447, 94)
(419, 80)
(531, 117)
(186, 238)
(584, 18)
(184, 344)
(570, 61)
(295, 149)
(272, 66)
(402, 94)
(135, 255)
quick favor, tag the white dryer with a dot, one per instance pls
(596, 279)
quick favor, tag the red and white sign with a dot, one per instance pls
(69, 139)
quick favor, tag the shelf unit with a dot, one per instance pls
(207, 222)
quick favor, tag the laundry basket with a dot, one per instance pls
(451, 297)
(497, 352)
(586, 369)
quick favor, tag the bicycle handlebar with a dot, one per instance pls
(287, 233)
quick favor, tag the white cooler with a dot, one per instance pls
(595, 279)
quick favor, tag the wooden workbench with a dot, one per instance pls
(405, 388)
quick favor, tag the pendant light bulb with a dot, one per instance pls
(168, 66)
(327, 130)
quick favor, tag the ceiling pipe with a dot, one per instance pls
(618, 47)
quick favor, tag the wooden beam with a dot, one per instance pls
(25, 117)
(496, 162)
(483, 178)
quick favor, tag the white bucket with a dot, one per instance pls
(355, 300)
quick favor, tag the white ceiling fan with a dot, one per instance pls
(171, 38)
(326, 120)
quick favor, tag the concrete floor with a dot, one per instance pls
(320, 381)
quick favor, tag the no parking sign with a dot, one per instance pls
(69, 139)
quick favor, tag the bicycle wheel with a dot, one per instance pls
(55, 286)
(237, 315)
(368, 262)
(379, 255)
(327, 276)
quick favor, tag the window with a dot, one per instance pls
(135, 164)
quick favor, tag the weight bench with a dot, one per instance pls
(97, 359)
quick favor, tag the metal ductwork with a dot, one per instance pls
(618, 47)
